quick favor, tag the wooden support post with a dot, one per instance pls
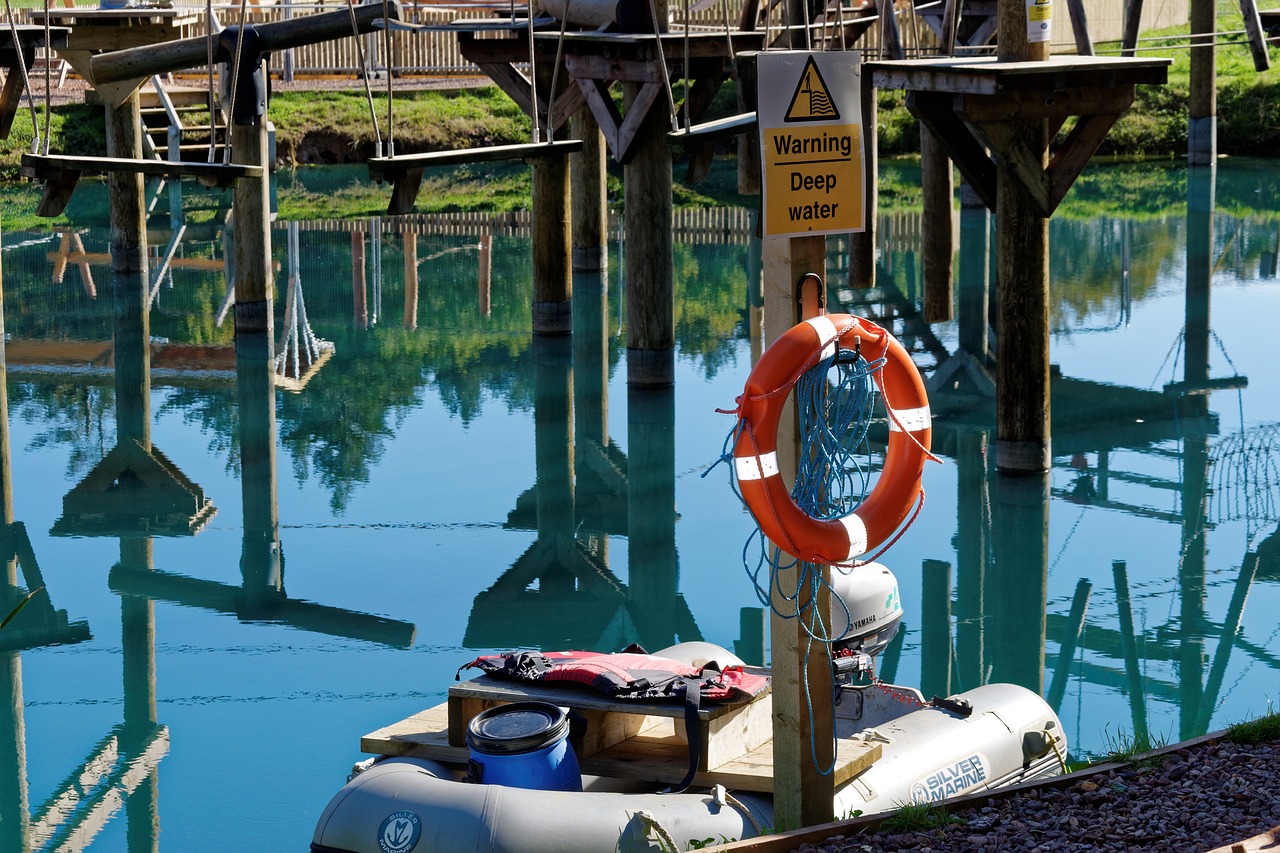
(935, 628)
(1080, 27)
(748, 143)
(553, 449)
(649, 249)
(590, 218)
(129, 277)
(938, 235)
(552, 275)
(255, 288)
(1022, 280)
(260, 557)
(802, 744)
(1202, 127)
(1132, 26)
(862, 245)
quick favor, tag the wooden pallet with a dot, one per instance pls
(628, 740)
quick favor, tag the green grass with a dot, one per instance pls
(1128, 748)
(918, 817)
(1264, 729)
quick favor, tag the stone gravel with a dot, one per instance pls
(1191, 799)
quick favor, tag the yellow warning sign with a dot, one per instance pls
(812, 100)
(810, 122)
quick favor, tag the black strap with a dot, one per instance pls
(692, 731)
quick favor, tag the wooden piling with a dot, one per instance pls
(1022, 281)
(974, 281)
(587, 176)
(1202, 127)
(802, 745)
(359, 287)
(649, 249)
(552, 276)
(254, 285)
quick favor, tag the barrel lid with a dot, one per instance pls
(517, 728)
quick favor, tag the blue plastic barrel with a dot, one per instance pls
(523, 745)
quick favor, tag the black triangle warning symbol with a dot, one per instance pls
(812, 101)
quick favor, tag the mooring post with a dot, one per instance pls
(1022, 280)
(802, 721)
(590, 217)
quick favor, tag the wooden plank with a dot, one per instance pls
(656, 754)
(42, 167)
(395, 168)
(1257, 37)
(984, 75)
(716, 128)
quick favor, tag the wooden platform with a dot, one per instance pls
(629, 740)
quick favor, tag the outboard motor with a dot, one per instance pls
(866, 611)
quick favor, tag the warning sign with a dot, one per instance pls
(810, 121)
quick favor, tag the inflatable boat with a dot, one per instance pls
(531, 797)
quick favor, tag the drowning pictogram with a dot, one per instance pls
(812, 101)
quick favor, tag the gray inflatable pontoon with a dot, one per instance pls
(401, 805)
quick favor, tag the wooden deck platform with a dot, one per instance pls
(628, 740)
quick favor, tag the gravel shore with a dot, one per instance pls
(1194, 798)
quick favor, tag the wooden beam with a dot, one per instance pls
(274, 36)
(936, 111)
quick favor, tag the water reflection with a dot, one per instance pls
(416, 452)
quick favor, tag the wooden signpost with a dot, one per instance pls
(810, 120)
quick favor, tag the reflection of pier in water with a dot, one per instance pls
(561, 593)
(1001, 623)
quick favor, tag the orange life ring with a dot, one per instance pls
(836, 541)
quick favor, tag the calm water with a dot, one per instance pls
(447, 485)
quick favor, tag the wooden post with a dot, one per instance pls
(802, 744)
(1202, 129)
(1022, 281)
(255, 288)
(748, 143)
(1132, 25)
(937, 235)
(552, 276)
(587, 175)
(129, 276)
(649, 249)
(553, 452)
